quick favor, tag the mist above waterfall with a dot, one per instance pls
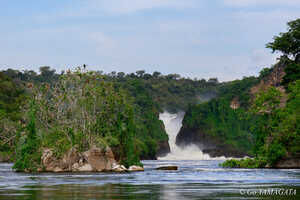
(207, 96)
(173, 123)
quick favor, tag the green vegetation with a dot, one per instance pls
(150, 94)
(170, 92)
(78, 111)
(216, 117)
(277, 130)
(292, 73)
(28, 150)
(260, 123)
(288, 43)
(12, 96)
(245, 163)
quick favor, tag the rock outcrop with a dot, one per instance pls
(167, 168)
(119, 168)
(5, 158)
(272, 80)
(93, 160)
(135, 168)
(288, 163)
(235, 104)
(163, 148)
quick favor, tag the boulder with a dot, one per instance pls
(100, 159)
(288, 163)
(95, 159)
(167, 168)
(71, 157)
(135, 168)
(51, 163)
(47, 156)
(58, 169)
(118, 168)
(85, 168)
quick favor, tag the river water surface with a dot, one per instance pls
(197, 179)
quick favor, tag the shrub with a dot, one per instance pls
(28, 154)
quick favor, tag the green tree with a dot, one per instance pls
(292, 71)
(156, 74)
(140, 73)
(47, 74)
(28, 152)
(288, 43)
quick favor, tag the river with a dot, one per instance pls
(198, 179)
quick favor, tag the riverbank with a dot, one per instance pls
(258, 163)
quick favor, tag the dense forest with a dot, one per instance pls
(224, 119)
(257, 116)
(56, 100)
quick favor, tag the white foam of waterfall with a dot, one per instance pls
(173, 123)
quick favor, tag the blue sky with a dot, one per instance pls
(195, 38)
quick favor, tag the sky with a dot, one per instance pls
(194, 38)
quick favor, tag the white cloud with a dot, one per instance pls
(245, 3)
(274, 16)
(108, 8)
(131, 6)
(100, 41)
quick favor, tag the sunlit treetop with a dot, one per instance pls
(288, 43)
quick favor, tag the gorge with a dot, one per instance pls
(173, 124)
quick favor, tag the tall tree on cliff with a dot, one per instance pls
(289, 44)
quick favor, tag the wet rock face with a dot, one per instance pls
(210, 145)
(289, 163)
(93, 160)
(163, 148)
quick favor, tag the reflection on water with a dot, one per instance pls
(193, 180)
(125, 191)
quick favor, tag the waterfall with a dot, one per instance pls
(173, 123)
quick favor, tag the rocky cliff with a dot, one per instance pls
(163, 148)
(273, 79)
(212, 125)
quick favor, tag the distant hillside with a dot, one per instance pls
(221, 126)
